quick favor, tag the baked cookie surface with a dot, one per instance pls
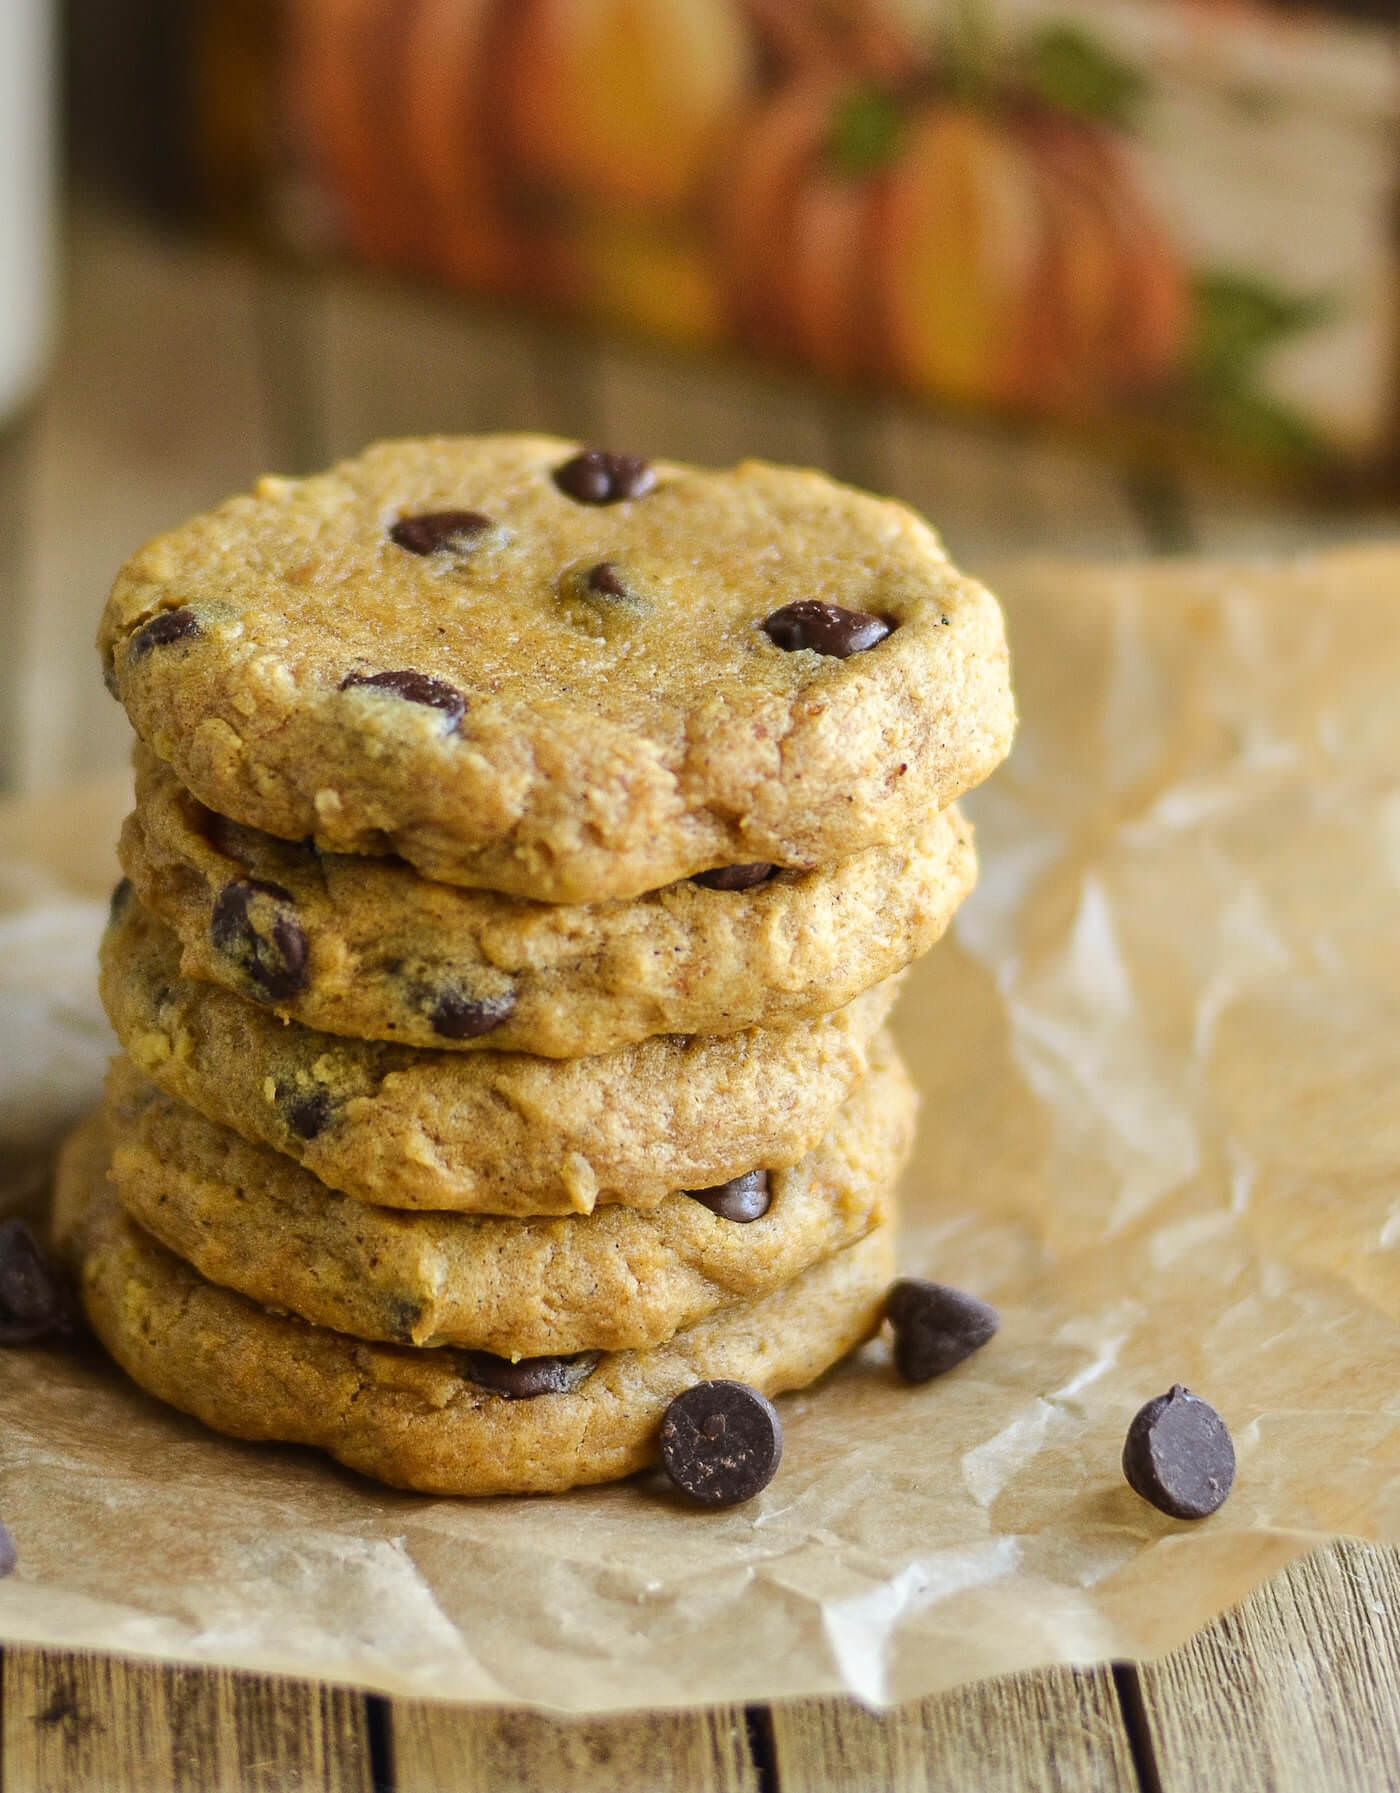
(620, 1279)
(560, 676)
(483, 1132)
(424, 1419)
(367, 947)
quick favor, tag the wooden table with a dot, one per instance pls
(182, 372)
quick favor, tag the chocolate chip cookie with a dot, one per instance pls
(484, 1132)
(620, 1279)
(368, 947)
(444, 1421)
(561, 674)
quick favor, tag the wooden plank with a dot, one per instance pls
(153, 412)
(1058, 1730)
(490, 1750)
(1296, 1690)
(98, 1724)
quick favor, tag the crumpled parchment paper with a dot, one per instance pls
(1161, 1065)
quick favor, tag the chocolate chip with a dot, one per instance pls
(530, 1376)
(606, 580)
(1178, 1455)
(9, 1555)
(597, 477)
(459, 1017)
(306, 1112)
(405, 1315)
(741, 1199)
(935, 1327)
(414, 688)
(825, 628)
(33, 1301)
(163, 628)
(120, 898)
(253, 923)
(721, 1442)
(736, 877)
(435, 530)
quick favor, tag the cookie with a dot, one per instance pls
(439, 1420)
(621, 1279)
(562, 675)
(484, 1132)
(378, 952)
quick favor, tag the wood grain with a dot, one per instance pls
(97, 1724)
(1060, 1731)
(445, 1749)
(1298, 1690)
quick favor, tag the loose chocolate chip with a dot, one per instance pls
(459, 1017)
(741, 1199)
(163, 628)
(434, 530)
(607, 581)
(253, 924)
(414, 688)
(33, 1301)
(721, 1442)
(935, 1327)
(597, 477)
(9, 1556)
(825, 628)
(735, 877)
(120, 897)
(529, 1377)
(307, 1112)
(1178, 1455)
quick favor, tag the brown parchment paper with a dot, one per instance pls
(1161, 1065)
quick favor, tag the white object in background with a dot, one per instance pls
(27, 105)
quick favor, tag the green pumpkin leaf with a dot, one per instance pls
(1075, 73)
(866, 133)
(1239, 318)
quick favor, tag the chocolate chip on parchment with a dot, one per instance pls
(530, 1376)
(721, 1442)
(736, 877)
(741, 1199)
(306, 1112)
(935, 1327)
(164, 627)
(433, 531)
(1178, 1455)
(34, 1304)
(459, 1017)
(414, 688)
(598, 477)
(254, 924)
(9, 1555)
(825, 628)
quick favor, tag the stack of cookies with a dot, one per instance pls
(528, 844)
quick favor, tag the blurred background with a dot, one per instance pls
(1089, 277)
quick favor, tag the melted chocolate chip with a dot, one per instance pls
(935, 1327)
(120, 899)
(597, 477)
(825, 628)
(9, 1555)
(459, 1017)
(721, 1442)
(163, 628)
(306, 1112)
(435, 530)
(253, 923)
(529, 1377)
(736, 877)
(404, 1317)
(741, 1199)
(1179, 1456)
(33, 1301)
(414, 688)
(606, 580)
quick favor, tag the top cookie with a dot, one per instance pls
(562, 675)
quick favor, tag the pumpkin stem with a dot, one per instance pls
(970, 49)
